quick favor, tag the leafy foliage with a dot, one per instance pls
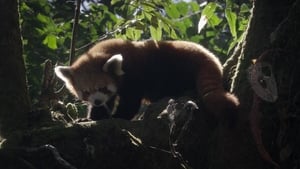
(45, 36)
(47, 27)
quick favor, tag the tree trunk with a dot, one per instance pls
(267, 16)
(273, 39)
(14, 100)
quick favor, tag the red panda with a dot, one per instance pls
(133, 70)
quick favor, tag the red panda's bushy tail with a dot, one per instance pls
(223, 105)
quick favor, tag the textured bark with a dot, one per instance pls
(14, 100)
(273, 38)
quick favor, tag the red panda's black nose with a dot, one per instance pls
(97, 102)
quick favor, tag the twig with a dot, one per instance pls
(74, 32)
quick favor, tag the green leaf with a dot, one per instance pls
(231, 19)
(235, 42)
(156, 33)
(210, 33)
(140, 25)
(214, 20)
(40, 31)
(113, 2)
(195, 6)
(154, 21)
(209, 9)
(232, 45)
(133, 34)
(24, 7)
(50, 41)
(181, 26)
(229, 4)
(165, 28)
(147, 15)
(182, 8)
(42, 18)
(173, 34)
(244, 8)
(196, 38)
(208, 16)
(172, 11)
(243, 24)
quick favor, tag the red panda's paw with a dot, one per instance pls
(224, 106)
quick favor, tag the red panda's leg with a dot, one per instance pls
(128, 107)
(97, 113)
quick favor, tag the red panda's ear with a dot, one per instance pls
(64, 73)
(114, 65)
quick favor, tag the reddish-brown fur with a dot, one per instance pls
(154, 70)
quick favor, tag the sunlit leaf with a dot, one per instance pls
(165, 28)
(234, 43)
(133, 34)
(208, 16)
(172, 11)
(42, 18)
(209, 9)
(229, 4)
(214, 20)
(50, 41)
(202, 22)
(182, 8)
(113, 2)
(231, 19)
(181, 26)
(173, 34)
(210, 33)
(195, 6)
(188, 22)
(40, 31)
(156, 33)
(24, 6)
(244, 8)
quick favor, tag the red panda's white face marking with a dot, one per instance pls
(100, 96)
(92, 84)
(95, 88)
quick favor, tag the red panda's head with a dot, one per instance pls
(90, 80)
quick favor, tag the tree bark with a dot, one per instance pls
(272, 38)
(14, 100)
